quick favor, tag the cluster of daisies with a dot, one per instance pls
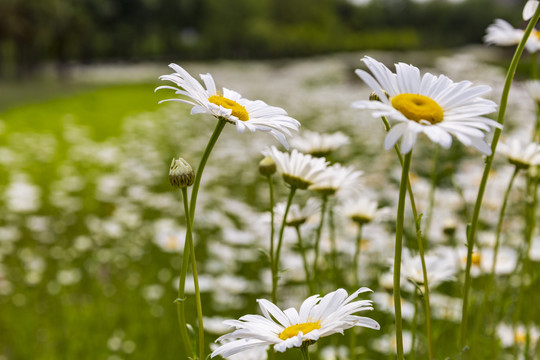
(433, 105)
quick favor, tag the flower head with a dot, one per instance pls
(429, 104)
(298, 170)
(362, 210)
(501, 33)
(229, 105)
(335, 178)
(519, 154)
(181, 174)
(297, 216)
(318, 317)
(318, 144)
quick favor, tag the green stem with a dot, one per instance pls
(489, 159)
(434, 170)
(352, 344)
(397, 253)
(304, 260)
(414, 324)
(195, 275)
(333, 246)
(498, 231)
(417, 220)
(356, 260)
(317, 242)
(189, 219)
(305, 352)
(275, 270)
(536, 134)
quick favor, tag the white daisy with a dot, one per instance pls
(362, 210)
(519, 154)
(317, 144)
(297, 169)
(318, 317)
(433, 105)
(533, 87)
(440, 266)
(297, 216)
(335, 178)
(502, 33)
(230, 105)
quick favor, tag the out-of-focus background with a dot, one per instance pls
(90, 230)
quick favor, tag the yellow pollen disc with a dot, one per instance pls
(476, 258)
(293, 330)
(237, 110)
(520, 337)
(418, 107)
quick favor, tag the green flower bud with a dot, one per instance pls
(181, 174)
(267, 166)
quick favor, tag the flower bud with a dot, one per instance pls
(181, 174)
(267, 166)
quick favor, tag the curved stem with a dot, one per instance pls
(318, 240)
(397, 253)
(333, 246)
(304, 260)
(189, 219)
(489, 159)
(195, 275)
(195, 190)
(275, 274)
(417, 222)
(356, 259)
(498, 237)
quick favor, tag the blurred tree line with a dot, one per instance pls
(34, 32)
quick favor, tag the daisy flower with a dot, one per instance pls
(318, 317)
(229, 105)
(297, 169)
(533, 87)
(433, 105)
(297, 216)
(317, 144)
(440, 266)
(363, 210)
(501, 33)
(519, 154)
(335, 178)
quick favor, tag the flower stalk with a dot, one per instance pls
(471, 235)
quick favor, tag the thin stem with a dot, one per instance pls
(305, 352)
(275, 272)
(189, 219)
(195, 275)
(489, 159)
(417, 220)
(195, 190)
(318, 240)
(397, 253)
(498, 231)
(414, 324)
(356, 259)
(271, 188)
(333, 246)
(304, 260)
(434, 173)
(180, 301)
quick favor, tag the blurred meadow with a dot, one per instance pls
(92, 233)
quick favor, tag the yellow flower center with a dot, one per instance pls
(294, 330)
(476, 259)
(520, 337)
(237, 110)
(418, 107)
